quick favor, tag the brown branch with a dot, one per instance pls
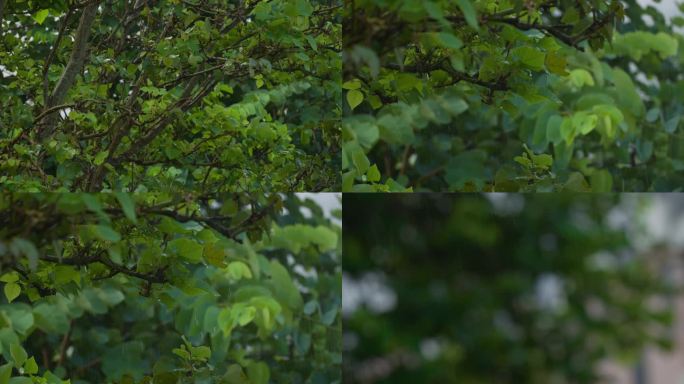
(183, 77)
(455, 75)
(51, 56)
(429, 175)
(87, 366)
(405, 160)
(46, 359)
(100, 258)
(64, 344)
(50, 111)
(73, 67)
(183, 103)
(553, 30)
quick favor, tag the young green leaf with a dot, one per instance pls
(12, 291)
(18, 354)
(40, 16)
(354, 98)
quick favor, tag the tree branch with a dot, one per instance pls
(50, 111)
(51, 56)
(64, 344)
(73, 67)
(101, 258)
(553, 30)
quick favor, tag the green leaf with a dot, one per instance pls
(304, 8)
(105, 232)
(373, 174)
(639, 43)
(601, 181)
(18, 354)
(20, 380)
(41, 15)
(543, 160)
(127, 206)
(568, 130)
(395, 129)
(202, 352)
(238, 270)
(671, 124)
(584, 122)
(214, 254)
(352, 84)
(468, 12)
(448, 40)
(580, 78)
(10, 277)
(530, 57)
(467, 167)
(555, 63)
(312, 42)
(576, 183)
(125, 358)
(626, 93)
(329, 317)
(235, 375)
(26, 248)
(354, 98)
(5, 373)
(246, 315)
(553, 129)
(367, 133)
(30, 366)
(653, 114)
(131, 69)
(283, 286)
(310, 307)
(187, 249)
(360, 160)
(12, 291)
(100, 157)
(65, 274)
(258, 373)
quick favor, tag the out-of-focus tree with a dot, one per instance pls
(514, 289)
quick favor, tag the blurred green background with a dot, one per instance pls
(508, 288)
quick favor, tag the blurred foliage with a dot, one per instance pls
(217, 95)
(159, 288)
(484, 95)
(502, 289)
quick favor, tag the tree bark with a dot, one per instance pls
(73, 67)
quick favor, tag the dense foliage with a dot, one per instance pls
(507, 289)
(512, 95)
(155, 288)
(148, 95)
